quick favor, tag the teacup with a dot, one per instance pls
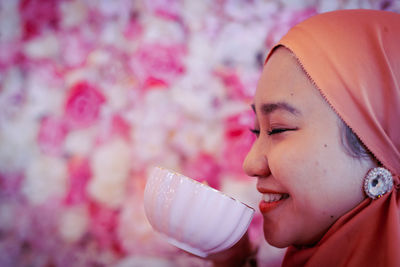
(193, 216)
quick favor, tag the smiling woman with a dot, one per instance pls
(306, 177)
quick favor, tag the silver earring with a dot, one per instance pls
(378, 182)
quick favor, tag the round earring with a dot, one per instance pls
(378, 182)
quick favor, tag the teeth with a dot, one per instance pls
(273, 197)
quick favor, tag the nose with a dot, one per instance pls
(256, 162)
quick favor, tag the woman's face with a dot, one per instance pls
(304, 174)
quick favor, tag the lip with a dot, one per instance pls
(268, 191)
(268, 206)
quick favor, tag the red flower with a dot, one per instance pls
(38, 15)
(238, 141)
(79, 175)
(104, 223)
(51, 135)
(83, 105)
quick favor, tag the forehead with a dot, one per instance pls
(283, 80)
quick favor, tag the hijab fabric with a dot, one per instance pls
(353, 58)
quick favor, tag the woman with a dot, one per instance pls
(327, 153)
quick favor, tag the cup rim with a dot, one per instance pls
(206, 186)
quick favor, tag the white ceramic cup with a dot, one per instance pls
(193, 216)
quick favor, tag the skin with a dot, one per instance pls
(298, 152)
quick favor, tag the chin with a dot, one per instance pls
(276, 241)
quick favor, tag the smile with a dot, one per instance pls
(271, 200)
(274, 197)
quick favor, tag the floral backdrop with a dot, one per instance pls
(94, 93)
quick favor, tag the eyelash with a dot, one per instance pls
(255, 132)
(273, 131)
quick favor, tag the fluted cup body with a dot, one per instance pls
(192, 215)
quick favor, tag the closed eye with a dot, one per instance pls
(280, 130)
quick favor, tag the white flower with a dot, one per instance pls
(80, 142)
(73, 13)
(9, 20)
(243, 45)
(139, 261)
(17, 144)
(46, 46)
(7, 216)
(162, 31)
(110, 165)
(73, 223)
(46, 177)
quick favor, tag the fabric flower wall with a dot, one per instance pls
(95, 93)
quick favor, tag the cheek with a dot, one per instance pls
(322, 180)
(289, 165)
(305, 168)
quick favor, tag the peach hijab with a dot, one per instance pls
(353, 58)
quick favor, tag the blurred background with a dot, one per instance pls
(94, 93)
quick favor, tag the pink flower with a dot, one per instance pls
(112, 127)
(286, 20)
(10, 183)
(75, 48)
(158, 64)
(104, 223)
(48, 72)
(204, 168)
(168, 9)
(79, 175)
(256, 227)
(38, 16)
(83, 105)
(120, 127)
(152, 82)
(238, 141)
(51, 135)
(10, 54)
(233, 84)
(133, 29)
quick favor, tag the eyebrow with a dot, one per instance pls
(268, 108)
